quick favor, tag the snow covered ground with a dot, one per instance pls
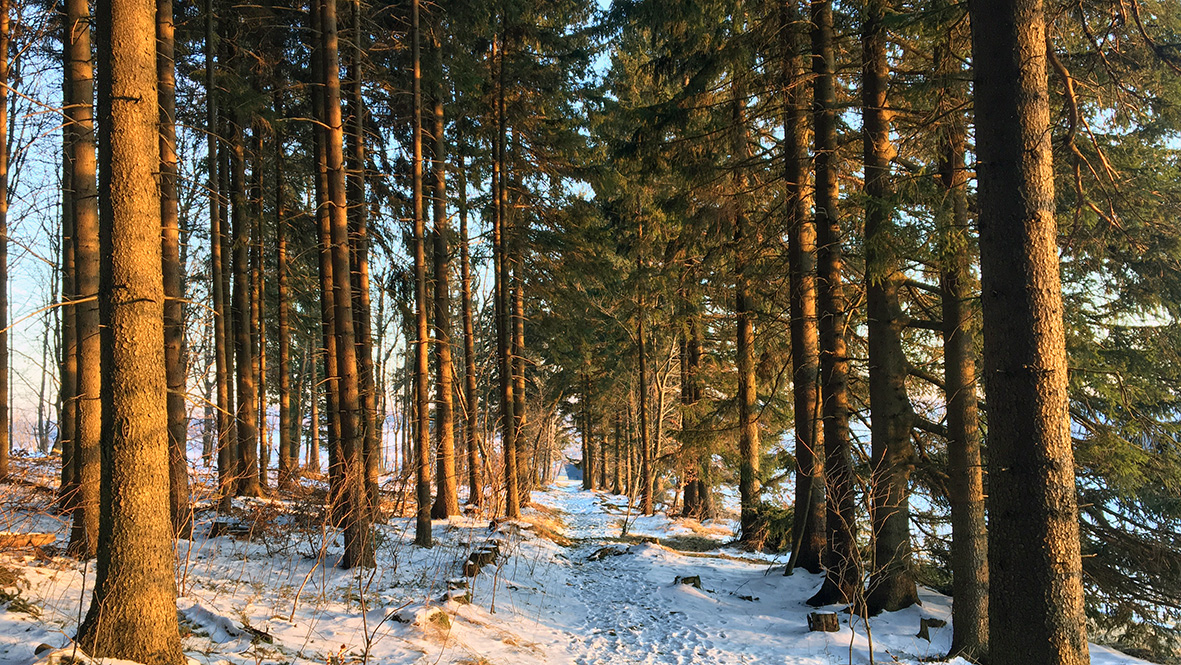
(271, 594)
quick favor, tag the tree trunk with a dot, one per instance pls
(1035, 589)
(132, 614)
(226, 437)
(359, 229)
(646, 475)
(808, 528)
(258, 339)
(748, 426)
(5, 443)
(174, 359)
(88, 427)
(336, 501)
(524, 451)
(892, 584)
(446, 496)
(512, 506)
(969, 536)
(67, 418)
(842, 579)
(288, 458)
(422, 448)
(358, 539)
(471, 397)
(247, 411)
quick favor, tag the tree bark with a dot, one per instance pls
(969, 536)
(512, 506)
(132, 614)
(892, 584)
(174, 358)
(446, 496)
(1035, 589)
(288, 457)
(88, 410)
(422, 449)
(471, 397)
(358, 539)
(5, 443)
(748, 425)
(808, 528)
(67, 493)
(247, 406)
(842, 579)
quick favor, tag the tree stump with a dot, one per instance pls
(926, 623)
(825, 622)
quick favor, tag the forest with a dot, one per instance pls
(878, 299)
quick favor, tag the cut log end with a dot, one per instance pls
(826, 622)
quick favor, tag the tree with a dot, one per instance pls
(841, 578)
(132, 613)
(88, 424)
(1035, 586)
(892, 585)
(422, 530)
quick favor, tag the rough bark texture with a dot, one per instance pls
(132, 613)
(174, 324)
(358, 539)
(336, 502)
(69, 359)
(808, 526)
(842, 578)
(4, 40)
(247, 389)
(969, 536)
(512, 506)
(359, 232)
(88, 410)
(422, 448)
(471, 397)
(446, 495)
(647, 500)
(892, 584)
(1035, 588)
(288, 456)
(748, 425)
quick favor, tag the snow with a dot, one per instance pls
(277, 596)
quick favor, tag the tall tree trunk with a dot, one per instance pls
(617, 484)
(358, 539)
(336, 502)
(748, 426)
(226, 437)
(88, 427)
(258, 339)
(247, 407)
(5, 443)
(647, 501)
(842, 578)
(67, 418)
(288, 456)
(359, 229)
(1035, 589)
(512, 505)
(589, 462)
(174, 359)
(969, 536)
(524, 451)
(808, 525)
(422, 448)
(132, 614)
(471, 397)
(446, 496)
(892, 584)
(313, 461)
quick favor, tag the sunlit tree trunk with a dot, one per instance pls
(842, 579)
(471, 397)
(132, 614)
(88, 411)
(174, 358)
(1035, 597)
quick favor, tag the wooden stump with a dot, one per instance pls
(926, 623)
(825, 622)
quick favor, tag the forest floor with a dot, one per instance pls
(569, 586)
